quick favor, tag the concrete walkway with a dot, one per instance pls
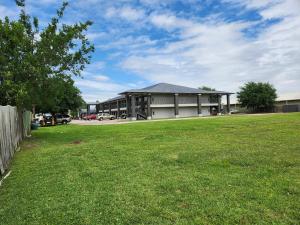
(126, 121)
(97, 122)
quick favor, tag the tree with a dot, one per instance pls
(64, 96)
(213, 97)
(258, 97)
(35, 66)
(206, 88)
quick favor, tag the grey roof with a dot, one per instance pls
(162, 88)
(114, 99)
(93, 103)
(171, 88)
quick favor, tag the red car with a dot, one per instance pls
(91, 117)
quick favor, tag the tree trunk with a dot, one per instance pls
(33, 111)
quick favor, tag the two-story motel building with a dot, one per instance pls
(164, 101)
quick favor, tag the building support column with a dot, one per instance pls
(128, 106)
(142, 104)
(199, 105)
(133, 108)
(88, 109)
(176, 101)
(118, 109)
(97, 108)
(109, 108)
(228, 104)
(149, 114)
(219, 104)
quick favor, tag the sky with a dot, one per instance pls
(221, 44)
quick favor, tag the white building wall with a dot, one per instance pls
(187, 99)
(205, 99)
(182, 99)
(205, 111)
(188, 111)
(159, 113)
(162, 99)
(162, 106)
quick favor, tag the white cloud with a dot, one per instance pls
(126, 12)
(271, 8)
(43, 2)
(133, 44)
(152, 2)
(95, 35)
(165, 3)
(101, 78)
(97, 96)
(101, 89)
(131, 14)
(282, 9)
(169, 21)
(289, 96)
(111, 12)
(9, 12)
(48, 1)
(207, 51)
(253, 4)
(96, 65)
(216, 53)
(99, 86)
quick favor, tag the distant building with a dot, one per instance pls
(288, 105)
(164, 101)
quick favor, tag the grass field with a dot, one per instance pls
(229, 170)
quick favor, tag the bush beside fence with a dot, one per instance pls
(14, 126)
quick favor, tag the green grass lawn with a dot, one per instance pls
(225, 170)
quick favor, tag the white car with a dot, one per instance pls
(105, 116)
(62, 118)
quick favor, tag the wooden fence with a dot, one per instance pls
(14, 126)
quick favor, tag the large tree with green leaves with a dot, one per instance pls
(212, 97)
(37, 65)
(257, 97)
(61, 96)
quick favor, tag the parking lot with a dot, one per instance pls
(124, 121)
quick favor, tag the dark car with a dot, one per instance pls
(48, 119)
(62, 118)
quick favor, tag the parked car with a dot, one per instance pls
(105, 116)
(35, 125)
(83, 116)
(62, 118)
(91, 117)
(38, 117)
(48, 119)
(124, 116)
(234, 111)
